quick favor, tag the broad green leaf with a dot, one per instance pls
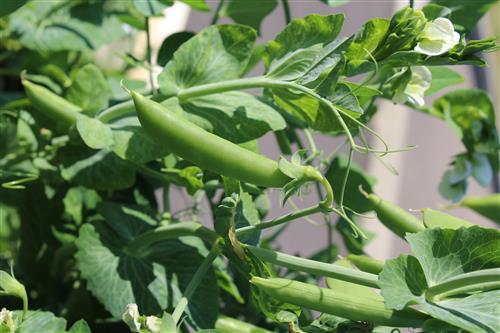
(131, 143)
(433, 11)
(357, 177)
(235, 116)
(118, 94)
(171, 44)
(151, 7)
(345, 99)
(80, 326)
(40, 322)
(215, 54)
(94, 133)
(197, 4)
(441, 254)
(99, 170)
(453, 191)
(47, 26)
(304, 33)
(90, 90)
(246, 215)
(294, 64)
(436, 219)
(77, 199)
(442, 77)
(10, 6)
(248, 12)
(462, 168)
(154, 280)
(482, 171)
(466, 13)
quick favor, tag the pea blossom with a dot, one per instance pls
(131, 317)
(415, 89)
(437, 37)
(153, 324)
(6, 319)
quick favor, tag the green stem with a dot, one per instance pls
(344, 182)
(194, 283)
(117, 111)
(315, 267)
(166, 198)
(482, 280)
(412, 4)
(149, 55)
(286, 11)
(283, 219)
(138, 246)
(216, 17)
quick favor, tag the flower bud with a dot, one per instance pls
(131, 318)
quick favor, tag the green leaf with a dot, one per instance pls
(80, 326)
(171, 44)
(482, 170)
(10, 6)
(197, 4)
(442, 77)
(462, 168)
(433, 11)
(151, 7)
(40, 322)
(357, 177)
(94, 133)
(335, 3)
(450, 190)
(215, 54)
(441, 254)
(247, 12)
(247, 215)
(48, 26)
(436, 219)
(100, 170)
(130, 142)
(77, 199)
(155, 280)
(465, 13)
(304, 33)
(90, 89)
(235, 116)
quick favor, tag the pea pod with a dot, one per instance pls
(394, 217)
(436, 219)
(488, 206)
(51, 105)
(342, 304)
(231, 325)
(366, 263)
(205, 149)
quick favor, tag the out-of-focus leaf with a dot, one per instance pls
(442, 77)
(171, 44)
(90, 90)
(248, 12)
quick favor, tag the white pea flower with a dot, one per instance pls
(153, 324)
(131, 317)
(437, 37)
(415, 89)
(6, 319)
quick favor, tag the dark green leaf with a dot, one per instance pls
(452, 191)
(10, 6)
(248, 12)
(151, 7)
(171, 44)
(154, 280)
(466, 13)
(215, 54)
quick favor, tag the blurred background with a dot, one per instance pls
(420, 170)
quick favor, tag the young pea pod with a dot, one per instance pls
(436, 219)
(366, 263)
(205, 149)
(488, 206)
(51, 105)
(231, 325)
(342, 304)
(394, 217)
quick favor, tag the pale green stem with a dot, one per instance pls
(315, 267)
(149, 55)
(194, 283)
(482, 280)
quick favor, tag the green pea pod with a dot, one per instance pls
(342, 304)
(436, 219)
(231, 325)
(51, 105)
(394, 217)
(366, 263)
(205, 149)
(488, 206)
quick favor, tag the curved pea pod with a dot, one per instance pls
(436, 219)
(366, 263)
(342, 304)
(488, 206)
(231, 325)
(205, 149)
(51, 105)
(394, 217)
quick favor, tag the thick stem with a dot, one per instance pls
(315, 267)
(482, 280)
(286, 11)
(194, 283)
(216, 17)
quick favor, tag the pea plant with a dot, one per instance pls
(92, 242)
